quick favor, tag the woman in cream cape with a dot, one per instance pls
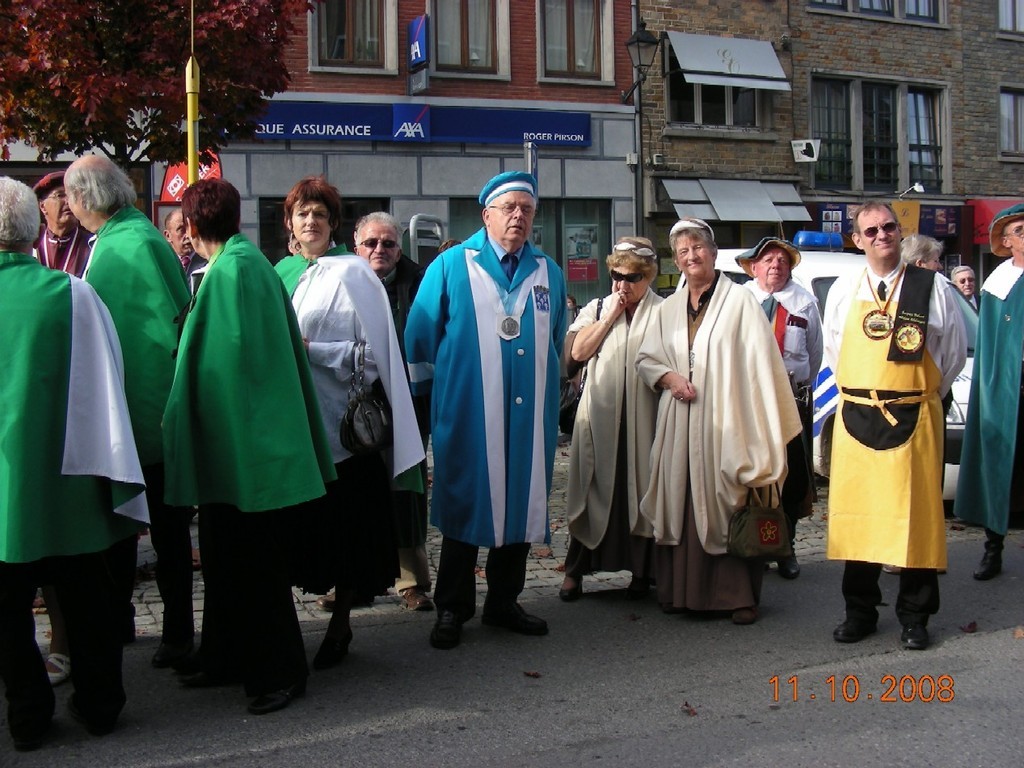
(609, 461)
(725, 415)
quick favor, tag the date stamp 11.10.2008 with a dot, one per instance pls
(849, 689)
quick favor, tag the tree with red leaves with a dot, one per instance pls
(109, 75)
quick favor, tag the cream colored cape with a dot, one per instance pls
(733, 435)
(611, 375)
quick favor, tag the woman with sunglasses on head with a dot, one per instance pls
(343, 312)
(725, 415)
(610, 455)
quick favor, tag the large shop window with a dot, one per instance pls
(575, 233)
(350, 33)
(862, 144)
(572, 38)
(465, 34)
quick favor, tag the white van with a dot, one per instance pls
(816, 272)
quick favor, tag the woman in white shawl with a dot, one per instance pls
(609, 462)
(725, 415)
(341, 304)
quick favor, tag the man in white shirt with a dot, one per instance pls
(792, 311)
(895, 338)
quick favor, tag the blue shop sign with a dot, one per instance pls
(316, 121)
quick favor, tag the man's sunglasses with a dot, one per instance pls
(889, 227)
(632, 277)
(371, 243)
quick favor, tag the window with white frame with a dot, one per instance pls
(913, 10)
(358, 36)
(1011, 15)
(350, 33)
(572, 37)
(877, 136)
(924, 146)
(465, 33)
(710, 105)
(1011, 122)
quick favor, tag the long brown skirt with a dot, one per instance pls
(691, 579)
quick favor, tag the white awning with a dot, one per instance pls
(736, 200)
(731, 61)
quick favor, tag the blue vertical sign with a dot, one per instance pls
(418, 56)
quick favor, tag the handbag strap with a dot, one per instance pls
(357, 386)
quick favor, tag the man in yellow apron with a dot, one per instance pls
(895, 338)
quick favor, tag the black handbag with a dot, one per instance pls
(366, 426)
(570, 395)
(758, 529)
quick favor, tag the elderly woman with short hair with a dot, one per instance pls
(725, 414)
(609, 461)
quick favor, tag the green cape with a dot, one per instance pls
(42, 511)
(242, 424)
(141, 281)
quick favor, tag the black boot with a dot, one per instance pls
(992, 560)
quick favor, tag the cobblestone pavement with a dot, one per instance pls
(543, 576)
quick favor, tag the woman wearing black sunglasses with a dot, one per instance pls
(609, 458)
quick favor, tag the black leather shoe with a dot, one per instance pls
(571, 594)
(447, 631)
(94, 727)
(276, 700)
(853, 631)
(332, 651)
(169, 654)
(991, 565)
(914, 637)
(29, 742)
(202, 680)
(789, 568)
(512, 616)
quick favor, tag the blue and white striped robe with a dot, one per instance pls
(494, 405)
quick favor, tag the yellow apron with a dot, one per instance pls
(885, 490)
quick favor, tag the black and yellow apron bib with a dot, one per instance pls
(885, 490)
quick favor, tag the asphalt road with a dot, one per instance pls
(616, 683)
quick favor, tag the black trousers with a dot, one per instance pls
(92, 604)
(918, 596)
(169, 531)
(250, 630)
(456, 576)
(796, 489)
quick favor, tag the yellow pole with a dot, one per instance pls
(192, 117)
(192, 101)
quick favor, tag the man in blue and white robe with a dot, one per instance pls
(485, 337)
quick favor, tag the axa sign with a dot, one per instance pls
(411, 122)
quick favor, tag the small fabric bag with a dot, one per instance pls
(758, 529)
(366, 425)
(570, 395)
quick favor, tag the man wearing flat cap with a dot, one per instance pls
(991, 483)
(792, 311)
(484, 335)
(63, 243)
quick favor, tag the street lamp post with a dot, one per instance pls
(642, 47)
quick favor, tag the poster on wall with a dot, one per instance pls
(580, 262)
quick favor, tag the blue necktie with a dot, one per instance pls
(768, 305)
(509, 263)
